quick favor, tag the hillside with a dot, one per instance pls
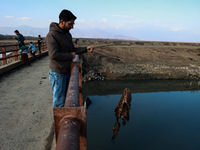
(76, 33)
(121, 60)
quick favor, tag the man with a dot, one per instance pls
(20, 38)
(61, 53)
(39, 43)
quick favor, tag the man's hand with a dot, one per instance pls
(73, 54)
(90, 48)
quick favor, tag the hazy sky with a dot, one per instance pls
(172, 20)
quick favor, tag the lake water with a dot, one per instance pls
(6, 54)
(164, 115)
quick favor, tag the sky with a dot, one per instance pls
(152, 20)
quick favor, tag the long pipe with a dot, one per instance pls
(72, 97)
(68, 137)
(69, 132)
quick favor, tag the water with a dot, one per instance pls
(165, 119)
(6, 54)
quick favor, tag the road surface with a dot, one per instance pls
(26, 108)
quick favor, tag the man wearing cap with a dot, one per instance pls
(61, 52)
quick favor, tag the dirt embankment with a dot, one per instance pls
(142, 60)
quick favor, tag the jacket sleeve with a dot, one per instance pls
(80, 50)
(53, 49)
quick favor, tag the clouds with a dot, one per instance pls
(9, 17)
(20, 18)
(175, 29)
(92, 23)
(109, 22)
(123, 22)
(15, 21)
(24, 18)
(142, 28)
(122, 16)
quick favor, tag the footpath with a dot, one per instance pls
(26, 108)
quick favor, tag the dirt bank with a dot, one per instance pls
(142, 60)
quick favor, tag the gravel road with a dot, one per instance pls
(26, 108)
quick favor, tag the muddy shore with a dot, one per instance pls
(122, 60)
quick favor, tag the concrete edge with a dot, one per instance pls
(6, 68)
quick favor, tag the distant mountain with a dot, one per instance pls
(25, 30)
(97, 33)
(76, 33)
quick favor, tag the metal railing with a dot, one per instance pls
(11, 52)
(70, 121)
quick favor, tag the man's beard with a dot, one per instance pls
(66, 30)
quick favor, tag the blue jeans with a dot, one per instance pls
(59, 84)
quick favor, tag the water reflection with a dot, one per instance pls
(139, 86)
(122, 111)
(164, 116)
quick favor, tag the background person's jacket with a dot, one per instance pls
(24, 49)
(60, 46)
(20, 38)
(32, 47)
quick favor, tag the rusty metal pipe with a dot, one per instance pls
(69, 130)
(72, 97)
(68, 138)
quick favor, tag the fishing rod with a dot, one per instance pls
(105, 45)
(98, 46)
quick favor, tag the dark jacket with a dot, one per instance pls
(60, 46)
(40, 41)
(20, 39)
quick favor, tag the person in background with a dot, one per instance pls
(24, 51)
(76, 59)
(61, 52)
(20, 38)
(32, 49)
(77, 42)
(39, 43)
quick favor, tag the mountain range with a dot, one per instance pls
(76, 33)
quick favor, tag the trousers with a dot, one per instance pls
(59, 83)
(25, 59)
